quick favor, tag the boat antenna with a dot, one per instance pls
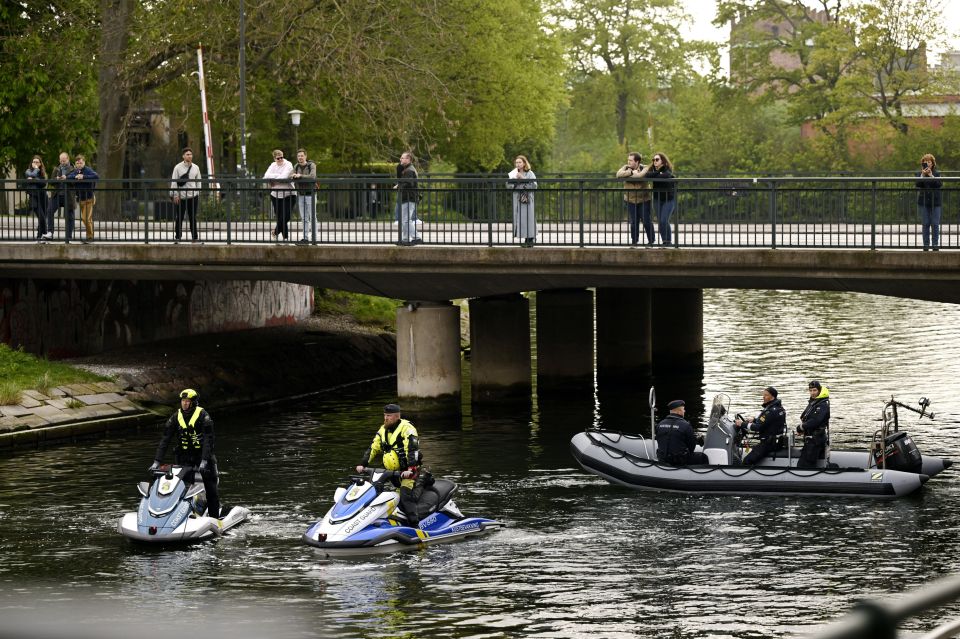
(652, 397)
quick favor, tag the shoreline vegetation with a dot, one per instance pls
(21, 371)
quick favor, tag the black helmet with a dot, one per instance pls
(815, 384)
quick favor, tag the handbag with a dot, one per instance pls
(524, 198)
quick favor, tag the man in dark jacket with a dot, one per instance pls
(408, 196)
(84, 182)
(676, 442)
(769, 425)
(61, 196)
(814, 422)
(191, 428)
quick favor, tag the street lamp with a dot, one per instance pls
(295, 119)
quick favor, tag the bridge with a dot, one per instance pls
(840, 236)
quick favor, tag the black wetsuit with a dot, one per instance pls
(814, 422)
(769, 425)
(194, 443)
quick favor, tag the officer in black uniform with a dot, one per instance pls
(814, 422)
(769, 425)
(191, 428)
(675, 439)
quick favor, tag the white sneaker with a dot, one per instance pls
(48, 236)
(418, 222)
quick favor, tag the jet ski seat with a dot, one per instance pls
(434, 497)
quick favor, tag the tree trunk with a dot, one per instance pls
(114, 103)
(622, 98)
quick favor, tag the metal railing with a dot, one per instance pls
(824, 212)
(879, 620)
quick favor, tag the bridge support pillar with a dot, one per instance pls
(624, 346)
(499, 347)
(564, 339)
(677, 318)
(428, 349)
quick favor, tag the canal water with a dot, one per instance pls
(580, 558)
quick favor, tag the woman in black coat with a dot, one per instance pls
(36, 181)
(664, 194)
(929, 200)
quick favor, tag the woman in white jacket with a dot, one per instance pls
(523, 182)
(282, 193)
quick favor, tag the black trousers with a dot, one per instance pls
(282, 207)
(760, 451)
(65, 199)
(210, 480)
(812, 450)
(410, 498)
(188, 206)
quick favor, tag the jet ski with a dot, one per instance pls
(892, 467)
(173, 509)
(366, 518)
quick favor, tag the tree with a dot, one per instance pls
(47, 84)
(628, 50)
(834, 64)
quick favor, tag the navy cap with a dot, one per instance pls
(677, 403)
(772, 391)
(391, 408)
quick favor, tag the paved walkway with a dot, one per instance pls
(74, 404)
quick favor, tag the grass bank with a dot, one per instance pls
(21, 371)
(367, 310)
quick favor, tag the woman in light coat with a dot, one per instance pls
(523, 182)
(282, 193)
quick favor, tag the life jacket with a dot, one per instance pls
(393, 445)
(190, 439)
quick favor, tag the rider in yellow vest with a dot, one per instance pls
(399, 445)
(191, 428)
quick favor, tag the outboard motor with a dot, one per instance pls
(899, 452)
(892, 447)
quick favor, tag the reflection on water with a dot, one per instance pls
(580, 558)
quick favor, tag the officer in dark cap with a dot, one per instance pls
(814, 422)
(769, 425)
(676, 442)
(399, 445)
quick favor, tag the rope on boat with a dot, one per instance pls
(729, 471)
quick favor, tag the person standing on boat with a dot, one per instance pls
(676, 443)
(814, 422)
(397, 441)
(769, 425)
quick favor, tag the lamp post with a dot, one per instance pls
(295, 119)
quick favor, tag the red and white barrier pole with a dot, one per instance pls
(207, 134)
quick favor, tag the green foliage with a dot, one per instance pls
(22, 371)
(47, 81)
(368, 310)
(711, 128)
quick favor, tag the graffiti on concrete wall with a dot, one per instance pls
(247, 304)
(65, 318)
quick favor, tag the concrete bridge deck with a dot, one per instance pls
(440, 272)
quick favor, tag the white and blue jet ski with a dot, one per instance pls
(174, 511)
(367, 518)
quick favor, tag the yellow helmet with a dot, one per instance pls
(188, 393)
